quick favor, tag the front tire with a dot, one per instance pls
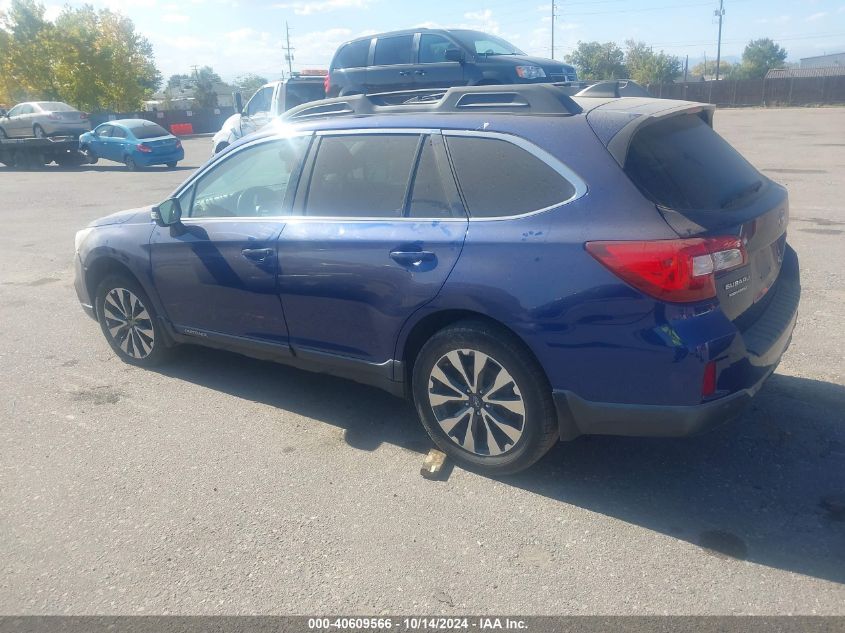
(129, 322)
(484, 399)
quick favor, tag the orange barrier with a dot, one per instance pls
(181, 129)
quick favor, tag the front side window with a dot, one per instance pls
(26, 109)
(250, 183)
(353, 55)
(16, 110)
(433, 48)
(393, 50)
(104, 131)
(486, 44)
(361, 175)
(260, 101)
(498, 178)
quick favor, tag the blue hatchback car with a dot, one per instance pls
(524, 265)
(133, 142)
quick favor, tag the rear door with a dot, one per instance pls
(379, 230)
(391, 69)
(703, 186)
(432, 69)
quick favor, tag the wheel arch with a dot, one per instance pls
(101, 268)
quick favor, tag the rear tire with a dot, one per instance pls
(3, 134)
(38, 131)
(220, 147)
(130, 163)
(172, 164)
(129, 321)
(484, 399)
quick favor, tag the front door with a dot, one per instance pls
(216, 271)
(432, 69)
(379, 230)
(257, 113)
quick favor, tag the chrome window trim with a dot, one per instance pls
(573, 178)
(542, 155)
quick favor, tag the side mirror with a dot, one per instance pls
(167, 213)
(239, 102)
(454, 55)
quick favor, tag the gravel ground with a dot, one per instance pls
(221, 484)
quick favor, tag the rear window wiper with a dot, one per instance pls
(731, 200)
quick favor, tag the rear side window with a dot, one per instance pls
(149, 130)
(118, 132)
(361, 176)
(353, 55)
(393, 50)
(682, 164)
(428, 195)
(497, 178)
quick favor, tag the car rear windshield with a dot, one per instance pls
(55, 106)
(299, 92)
(148, 130)
(682, 164)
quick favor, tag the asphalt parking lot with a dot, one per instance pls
(220, 484)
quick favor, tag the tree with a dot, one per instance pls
(204, 93)
(91, 59)
(595, 60)
(726, 69)
(177, 81)
(248, 84)
(760, 56)
(647, 67)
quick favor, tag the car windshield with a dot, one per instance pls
(55, 106)
(486, 44)
(148, 130)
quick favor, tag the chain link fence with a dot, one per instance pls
(796, 91)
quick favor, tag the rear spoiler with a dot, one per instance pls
(616, 122)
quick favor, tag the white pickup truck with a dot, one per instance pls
(268, 102)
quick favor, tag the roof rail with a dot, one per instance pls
(513, 99)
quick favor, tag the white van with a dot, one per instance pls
(268, 102)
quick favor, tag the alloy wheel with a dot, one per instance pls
(128, 323)
(476, 402)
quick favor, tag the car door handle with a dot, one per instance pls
(421, 73)
(404, 73)
(257, 254)
(412, 258)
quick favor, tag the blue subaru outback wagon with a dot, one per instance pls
(525, 265)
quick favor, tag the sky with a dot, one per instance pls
(237, 37)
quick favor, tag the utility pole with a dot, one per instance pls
(288, 50)
(720, 13)
(686, 68)
(554, 15)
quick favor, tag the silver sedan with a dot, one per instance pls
(42, 119)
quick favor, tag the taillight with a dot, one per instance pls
(178, 144)
(83, 116)
(144, 148)
(680, 271)
(327, 83)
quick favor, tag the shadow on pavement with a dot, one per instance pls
(768, 488)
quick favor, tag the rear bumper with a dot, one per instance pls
(582, 417)
(745, 365)
(152, 158)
